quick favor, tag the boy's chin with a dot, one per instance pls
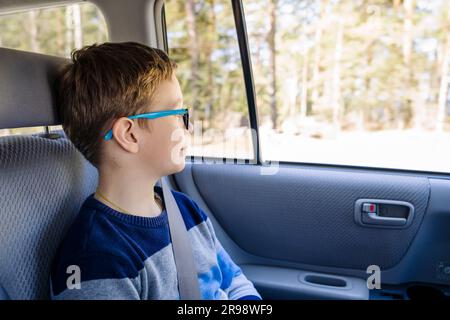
(177, 166)
(180, 166)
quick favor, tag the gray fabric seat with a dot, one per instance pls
(43, 179)
(43, 183)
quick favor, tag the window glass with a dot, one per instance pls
(202, 40)
(362, 83)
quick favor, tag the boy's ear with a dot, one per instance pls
(124, 133)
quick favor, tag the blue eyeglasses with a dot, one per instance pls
(155, 115)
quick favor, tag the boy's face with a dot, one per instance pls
(163, 147)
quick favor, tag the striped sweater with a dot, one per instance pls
(107, 254)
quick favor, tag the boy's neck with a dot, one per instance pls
(129, 194)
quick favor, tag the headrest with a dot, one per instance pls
(27, 93)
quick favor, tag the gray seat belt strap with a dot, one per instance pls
(182, 251)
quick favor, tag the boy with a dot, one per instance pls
(120, 242)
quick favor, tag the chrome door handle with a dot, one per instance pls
(383, 213)
(374, 218)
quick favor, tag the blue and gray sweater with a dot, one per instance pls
(120, 256)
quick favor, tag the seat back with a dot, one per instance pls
(43, 178)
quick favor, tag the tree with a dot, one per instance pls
(443, 88)
(322, 4)
(194, 53)
(272, 62)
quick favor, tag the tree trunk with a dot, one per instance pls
(272, 62)
(304, 94)
(397, 3)
(69, 31)
(33, 31)
(59, 35)
(317, 55)
(336, 84)
(210, 110)
(408, 6)
(78, 40)
(194, 53)
(443, 88)
(367, 79)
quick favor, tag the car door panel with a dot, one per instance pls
(303, 220)
(307, 216)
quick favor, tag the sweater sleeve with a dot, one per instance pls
(94, 277)
(234, 282)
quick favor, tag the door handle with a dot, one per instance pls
(374, 218)
(381, 213)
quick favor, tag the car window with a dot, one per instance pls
(202, 40)
(54, 31)
(360, 83)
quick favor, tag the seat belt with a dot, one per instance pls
(182, 251)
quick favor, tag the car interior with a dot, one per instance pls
(309, 231)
